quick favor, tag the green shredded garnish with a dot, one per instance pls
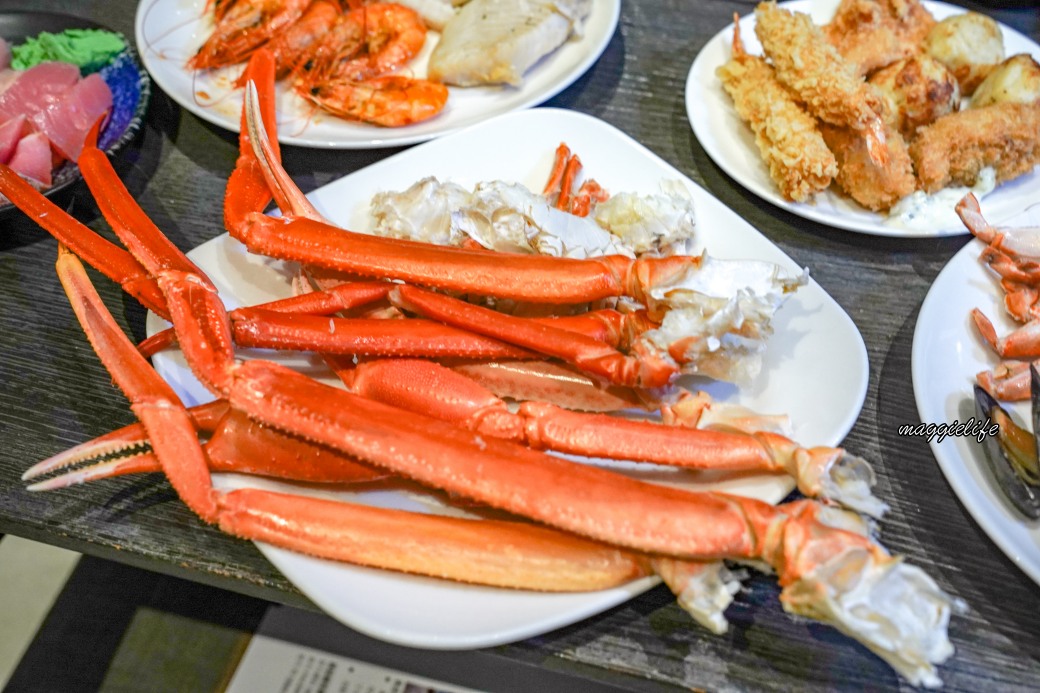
(90, 49)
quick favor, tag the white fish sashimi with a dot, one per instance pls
(497, 41)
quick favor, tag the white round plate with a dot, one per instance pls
(947, 353)
(731, 144)
(168, 32)
(815, 370)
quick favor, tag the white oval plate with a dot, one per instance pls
(815, 369)
(168, 32)
(731, 144)
(947, 353)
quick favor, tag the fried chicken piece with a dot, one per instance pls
(873, 33)
(875, 187)
(787, 137)
(956, 147)
(819, 76)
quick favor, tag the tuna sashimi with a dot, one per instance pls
(66, 121)
(32, 158)
(37, 88)
(10, 133)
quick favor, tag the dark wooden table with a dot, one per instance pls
(54, 394)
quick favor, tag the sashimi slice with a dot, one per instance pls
(5, 54)
(10, 133)
(32, 158)
(67, 120)
(37, 88)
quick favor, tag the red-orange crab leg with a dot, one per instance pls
(553, 185)
(570, 173)
(302, 236)
(1009, 381)
(303, 323)
(111, 260)
(1022, 343)
(426, 387)
(587, 353)
(589, 192)
(236, 444)
(493, 552)
(146, 243)
(333, 300)
(125, 442)
(154, 403)
(255, 327)
(556, 382)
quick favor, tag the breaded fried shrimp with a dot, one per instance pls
(875, 187)
(819, 76)
(787, 137)
(955, 148)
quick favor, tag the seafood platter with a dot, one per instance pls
(384, 99)
(461, 400)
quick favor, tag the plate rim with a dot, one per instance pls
(592, 55)
(694, 89)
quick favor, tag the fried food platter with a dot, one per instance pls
(815, 370)
(731, 145)
(168, 32)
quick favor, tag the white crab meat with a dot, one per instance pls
(662, 224)
(719, 311)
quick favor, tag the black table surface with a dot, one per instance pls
(54, 394)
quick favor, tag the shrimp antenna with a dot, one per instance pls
(738, 45)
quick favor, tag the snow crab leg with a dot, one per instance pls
(438, 546)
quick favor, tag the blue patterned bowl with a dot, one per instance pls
(131, 87)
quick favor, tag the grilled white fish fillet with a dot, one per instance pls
(497, 41)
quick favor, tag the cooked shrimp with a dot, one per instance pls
(875, 187)
(791, 145)
(243, 27)
(293, 45)
(819, 76)
(367, 42)
(390, 101)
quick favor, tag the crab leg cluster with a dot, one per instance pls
(578, 527)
